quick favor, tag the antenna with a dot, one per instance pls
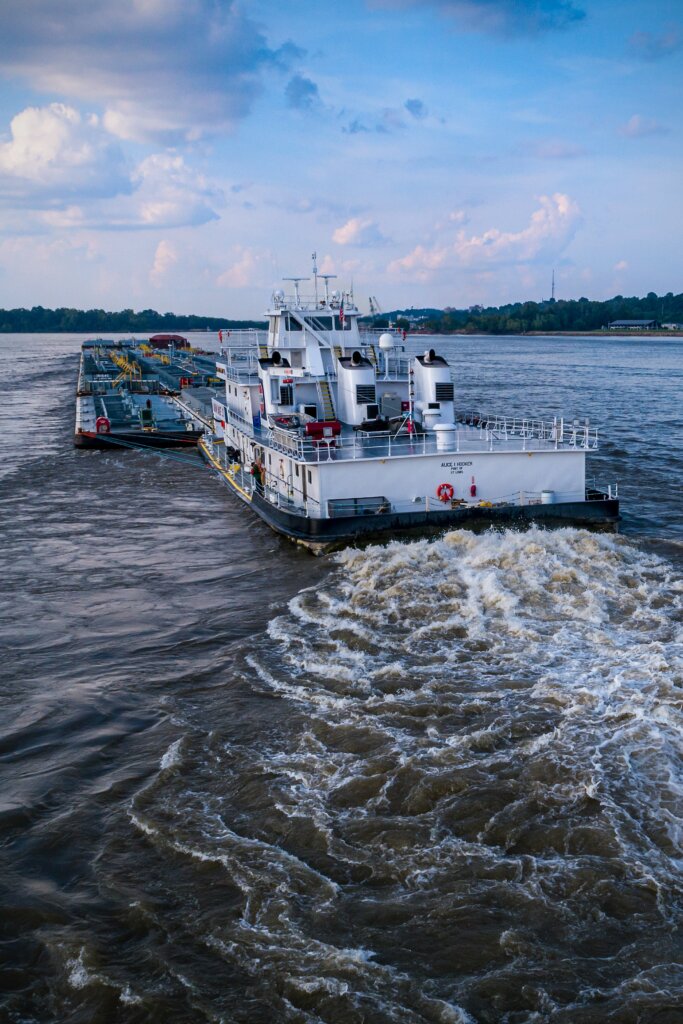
(552, 295)
(314, 257)
(296, 281)
(327, 278)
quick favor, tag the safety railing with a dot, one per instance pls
(557, 432)
(462, 440)
(269, 486)
(433, 504)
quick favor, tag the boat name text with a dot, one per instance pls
(455, 467)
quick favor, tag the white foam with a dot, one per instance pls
(172, 757)
(541, 662)
(79, 976)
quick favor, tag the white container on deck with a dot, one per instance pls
(547, 497)
(445, 436)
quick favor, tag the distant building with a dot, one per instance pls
(164, 341)
(633, 325)
(672, 327)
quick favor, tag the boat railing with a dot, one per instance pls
(295, 502)
(239, 363)
(398, 369)
(366, 506)
(301, 505)
(490, 436)
(243, 339)
(286, 441)
(558, 431)
(246, 426)
(242, 373)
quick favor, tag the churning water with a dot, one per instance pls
(438, 781)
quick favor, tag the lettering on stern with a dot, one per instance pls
(456, 467)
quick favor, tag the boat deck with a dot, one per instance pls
(494, 435)
(130, 412)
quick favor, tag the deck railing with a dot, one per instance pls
(517, 435)
(558, 431)
(430, 503)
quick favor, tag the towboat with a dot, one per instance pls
(334, 435)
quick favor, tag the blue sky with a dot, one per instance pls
(186, 154)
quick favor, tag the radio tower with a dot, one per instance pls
(552, 295)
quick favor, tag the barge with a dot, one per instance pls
(333, 435)
(128, 395)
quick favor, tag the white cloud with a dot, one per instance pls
(165, 71)
(172, 195)
(165, 257)
(638, 127)
(621, 265)
(247, 270)
(422, 261)
(359, 231)
(549, 231)
(65, 168)
(55, 152)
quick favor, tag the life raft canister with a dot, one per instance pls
(102, 425)
(445, 492)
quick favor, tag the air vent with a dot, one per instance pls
(444, 392)
(365, 393)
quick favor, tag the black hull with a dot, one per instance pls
(139, 439)
(326, 534)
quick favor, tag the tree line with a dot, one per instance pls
(551, 315)
(517, 318)
(99, 321)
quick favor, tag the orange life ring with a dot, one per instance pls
(445, 492)
(102, 425)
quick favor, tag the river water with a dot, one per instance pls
(437, 781)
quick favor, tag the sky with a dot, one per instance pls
(185, 155)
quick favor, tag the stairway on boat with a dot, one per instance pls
(326, 400)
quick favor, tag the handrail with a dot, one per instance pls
(385, 444)
(558, 431)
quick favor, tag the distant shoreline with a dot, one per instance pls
(411, 334)
(548, 334)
